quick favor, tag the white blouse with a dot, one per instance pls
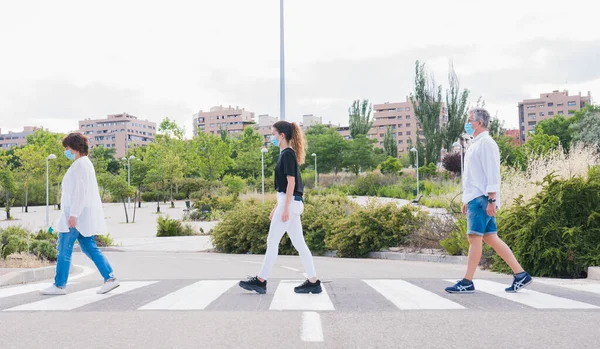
(81, 199)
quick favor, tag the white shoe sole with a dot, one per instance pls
(101, 291)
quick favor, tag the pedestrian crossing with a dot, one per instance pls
(337, 296)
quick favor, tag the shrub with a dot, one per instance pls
(320, 214)
(427, 171)
(556, 234)
(234, 184)
(457, 243)
(13, 239)
(173, 227)
(391, 166)
(43, 249)
(104, 240)
(452, 163)
(372, 228)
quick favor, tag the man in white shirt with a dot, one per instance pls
(481, 198)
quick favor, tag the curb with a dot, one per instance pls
(420, 257)
(33, 275)
(593, 273)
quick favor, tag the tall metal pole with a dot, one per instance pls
(262, 153)
(282, 65)
(316, 173)
(47, 193)
(128, 181)
(417, 173)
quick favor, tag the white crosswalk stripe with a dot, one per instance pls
(193, 297)
(577, 285)
(79, 299)
(23, 289)
(407, 296)
(286, 299)
(529, 297)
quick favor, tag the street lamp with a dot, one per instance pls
(281, 65)
(50, 157)
(262, 155)
(417, 158)
(316, 173)
(462, 169)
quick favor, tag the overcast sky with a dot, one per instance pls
(62, 61)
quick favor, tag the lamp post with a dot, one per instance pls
(417, 160)
(316, 172)
(50, 157)
(262, 155)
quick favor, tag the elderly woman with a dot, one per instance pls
(81, 217)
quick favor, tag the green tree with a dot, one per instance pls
(389, 142)
(510, 154)
(234, 184)
(558, 126)
(359, 154)
(427, 103)
(102, 157)
(540, 144)
(456, 107)
(247, 155)
(212, 156)
(360, 118)
(496, 127)
(32, 161)
(328, 144)
(9, 186)
(390, 166)
(118, 188)
(170, 129)
(587, 128)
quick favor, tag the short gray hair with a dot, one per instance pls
(480, 114)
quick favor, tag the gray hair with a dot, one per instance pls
(480, 114)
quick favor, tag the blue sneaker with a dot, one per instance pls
(462, 286)
(520, 281)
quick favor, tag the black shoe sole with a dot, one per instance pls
(313, 290)
(254, 288)
(457, 292)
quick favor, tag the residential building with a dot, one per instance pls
(309, 120)
(514, 135)
(16, 139)
(118, 131)
(401, 118)
(532, 111)
(265, 122)
(233, 120)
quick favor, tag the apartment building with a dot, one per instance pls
(118, 131)
(265, 123)
(16, 139)
(532, 111)
(233, 120)
(309, 120)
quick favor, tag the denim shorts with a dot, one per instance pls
(478, 222)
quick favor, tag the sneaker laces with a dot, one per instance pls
(306, 283)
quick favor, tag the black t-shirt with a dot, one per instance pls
(288, 166)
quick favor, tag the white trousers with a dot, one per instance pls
(293, 227)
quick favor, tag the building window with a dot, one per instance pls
(531, 115)
(400, 141)
(399, 109)
(407, 109)
(541, 105)
(380, 143)
(381, 135)
(531, 123)
(541, 113)
(408, 124)
(399, 117)
(408, 133)
(399, 125)
(560, 112)
(571, 112)
(571, 103)
(531, 107)
(550, 113)
(399, 133)
(559, 104)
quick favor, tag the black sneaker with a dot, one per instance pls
(309, 287)
(254, 284)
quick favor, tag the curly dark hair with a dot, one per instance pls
(77, 142)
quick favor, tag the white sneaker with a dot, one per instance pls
(108, 286)
(54, 291)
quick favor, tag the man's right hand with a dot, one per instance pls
(464, 209)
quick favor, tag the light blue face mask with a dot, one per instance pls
(69, 154)
(274, 141)
(469, 129)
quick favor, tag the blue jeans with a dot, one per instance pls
(478, 222)
(88, 246)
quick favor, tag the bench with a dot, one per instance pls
(418, 199)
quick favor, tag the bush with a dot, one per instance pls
(173, 227)
(391, 166)
(234, 184)
(457, 243)
(556, 234)
(427, 171)
(372, 228)
(13, 239)
(452, 163)
(320, 214)
(104, 240)
(43, 249)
